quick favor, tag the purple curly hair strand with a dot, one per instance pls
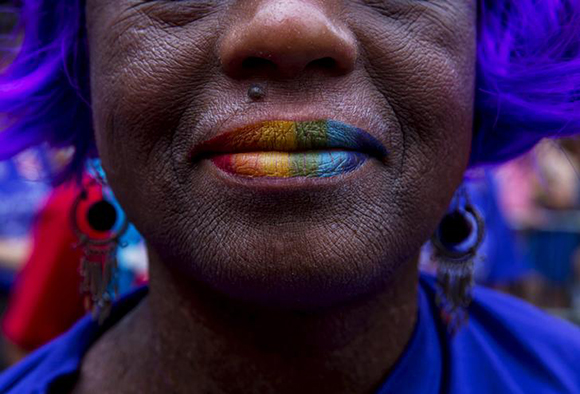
(528, 82)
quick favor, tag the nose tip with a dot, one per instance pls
(285, 37)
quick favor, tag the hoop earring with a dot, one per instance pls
(455, 245)
(98, 224)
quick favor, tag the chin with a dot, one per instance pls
(282, 272)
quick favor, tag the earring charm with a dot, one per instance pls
(99, 226)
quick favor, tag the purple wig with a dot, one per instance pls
(528, 79)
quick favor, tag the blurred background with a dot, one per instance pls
(531, 208)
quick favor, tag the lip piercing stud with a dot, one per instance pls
(256, 92)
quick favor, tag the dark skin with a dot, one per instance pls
(302, 290)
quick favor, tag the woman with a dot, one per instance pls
(285, 161)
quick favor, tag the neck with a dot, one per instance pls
(195, 338)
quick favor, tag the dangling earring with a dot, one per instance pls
(455, 244)
(99, 224)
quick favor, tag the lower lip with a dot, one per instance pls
(308, 164)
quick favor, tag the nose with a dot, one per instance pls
(283, 38)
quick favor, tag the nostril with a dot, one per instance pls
(282, 39)
(254, 64)
(325, 63)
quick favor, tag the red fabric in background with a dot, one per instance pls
(46, 301)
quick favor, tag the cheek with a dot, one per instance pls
(426, 74)
(428, 81)
(142, 77)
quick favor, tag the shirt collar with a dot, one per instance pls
(419, 369)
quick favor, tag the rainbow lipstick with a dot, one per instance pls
(285, 149)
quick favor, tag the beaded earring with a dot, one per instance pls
(455, 244)
(99, 223)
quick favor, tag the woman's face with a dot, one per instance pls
(167, 76)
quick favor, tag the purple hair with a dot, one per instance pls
(528, 76)
(528, 79)
(44, 93)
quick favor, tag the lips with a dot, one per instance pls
(286, 149)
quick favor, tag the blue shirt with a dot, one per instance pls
(508, 346)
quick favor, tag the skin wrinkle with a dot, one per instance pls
(178, 17)
(303, 291)
(397, 117)
(400, 126)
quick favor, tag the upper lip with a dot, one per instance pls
(292, 136)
